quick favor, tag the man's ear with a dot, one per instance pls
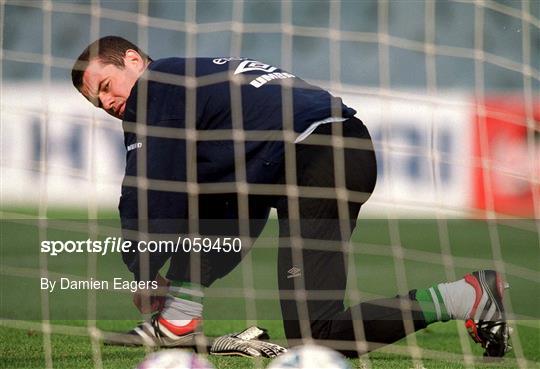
(134, 60)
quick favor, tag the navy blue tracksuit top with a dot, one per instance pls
(223, 88)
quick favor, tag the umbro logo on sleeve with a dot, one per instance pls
(294, 272)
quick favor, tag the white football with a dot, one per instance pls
(174, 359)
(310, 357)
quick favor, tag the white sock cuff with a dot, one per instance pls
(179, 309)
(458, 298)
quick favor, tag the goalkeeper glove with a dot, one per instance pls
(246, 343)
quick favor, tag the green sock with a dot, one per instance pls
(187, 291)
(432, 305)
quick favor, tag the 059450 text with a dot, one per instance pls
(206, 244)
(117, 245)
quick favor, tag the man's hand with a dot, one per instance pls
(245, 343)
(151, 300)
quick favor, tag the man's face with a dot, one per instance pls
(108, 86)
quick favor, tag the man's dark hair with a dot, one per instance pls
(109, 50)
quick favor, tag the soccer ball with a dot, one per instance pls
(174, 359)
(310, 357)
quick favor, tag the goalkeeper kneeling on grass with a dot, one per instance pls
(226, 124)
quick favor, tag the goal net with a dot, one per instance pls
(449, 92)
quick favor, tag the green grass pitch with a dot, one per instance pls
(22, 343)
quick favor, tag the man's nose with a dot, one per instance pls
(106, 101)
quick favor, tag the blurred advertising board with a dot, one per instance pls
(506, 150)
(58, 149)
(423, 148)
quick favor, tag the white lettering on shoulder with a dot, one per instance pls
(134, 146)
(262, 80)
